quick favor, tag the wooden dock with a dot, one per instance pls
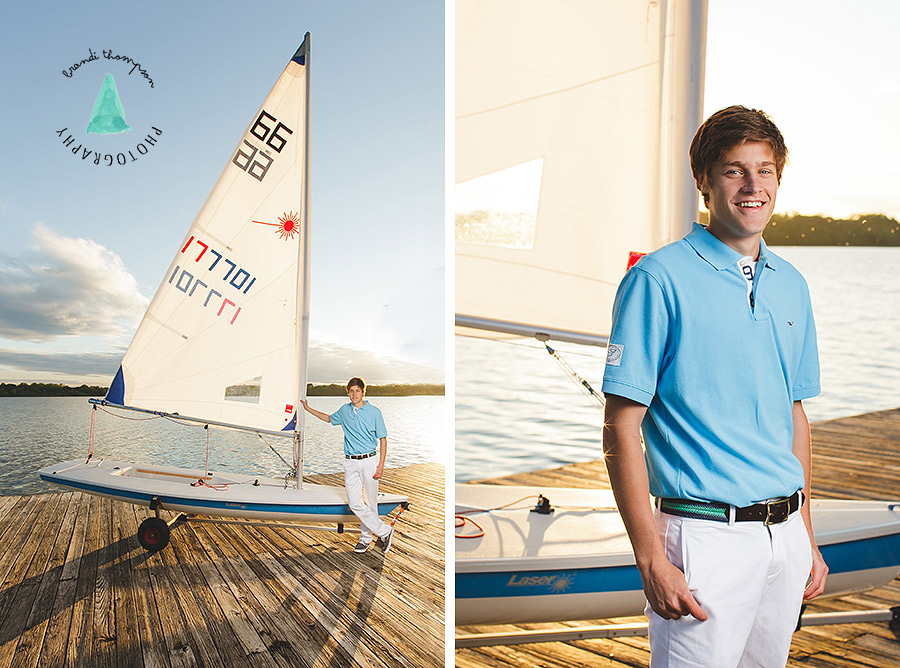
(78, 590)
(856, 457)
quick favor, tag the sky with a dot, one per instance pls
(826, 72)
(85, 245)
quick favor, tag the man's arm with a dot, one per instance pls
(382, 447)
(802, 448)
(664, 584)
(324, 417)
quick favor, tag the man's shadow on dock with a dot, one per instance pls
(352, 567)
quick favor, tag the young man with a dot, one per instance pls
(365, 436)
(712, 351)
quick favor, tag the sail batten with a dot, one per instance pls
(228, 308)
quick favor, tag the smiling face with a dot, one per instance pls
(740, 190)
(357, 395)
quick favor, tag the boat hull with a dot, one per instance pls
(576, 563)
(222, 495)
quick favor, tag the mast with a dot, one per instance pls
(303, 255)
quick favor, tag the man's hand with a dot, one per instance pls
(819, 572)
(667, 592)
(324, 417)
(378, 472)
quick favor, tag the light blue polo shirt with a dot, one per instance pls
(362, 428)
(719, 377)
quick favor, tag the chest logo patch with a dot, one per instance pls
(614, 354)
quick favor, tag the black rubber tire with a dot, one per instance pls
(153, 534)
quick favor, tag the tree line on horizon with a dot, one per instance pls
(794, 229)
(312, 390)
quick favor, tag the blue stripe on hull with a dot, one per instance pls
(869, 553)
(268, 508)
(862, 554)
(537, 583)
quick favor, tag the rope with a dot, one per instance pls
(206, 469)
(461, 520)
(596, 398)
(91, 442)
(219, 488)
(122, 417)
(397, 516)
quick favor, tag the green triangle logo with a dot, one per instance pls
(108, 116)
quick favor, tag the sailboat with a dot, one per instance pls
(224, 341)
(572, 125)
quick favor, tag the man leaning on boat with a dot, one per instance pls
(365, 438)
(712, 350)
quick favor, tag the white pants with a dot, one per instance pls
(749, 579)
(358, 479)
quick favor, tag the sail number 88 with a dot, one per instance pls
(255, 162)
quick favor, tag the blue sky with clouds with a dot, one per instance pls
(85, 245)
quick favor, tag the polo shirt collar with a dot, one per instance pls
(720, 255)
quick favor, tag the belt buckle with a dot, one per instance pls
(781, 515)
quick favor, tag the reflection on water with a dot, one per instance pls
(516, 410)
(38, 431)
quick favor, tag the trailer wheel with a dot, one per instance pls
(153, 534)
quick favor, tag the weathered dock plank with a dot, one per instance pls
(856, 457)
(76, 588)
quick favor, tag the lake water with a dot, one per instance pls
(516, 410)
(38, 431)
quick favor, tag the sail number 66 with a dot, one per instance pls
(257, 162)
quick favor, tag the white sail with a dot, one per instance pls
(224, 337)
(573, 121)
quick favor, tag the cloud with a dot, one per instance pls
(66, 287)
(328, 362)
(331, 362)
(64, 364)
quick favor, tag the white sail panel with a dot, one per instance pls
(604, 97)
(220, 339)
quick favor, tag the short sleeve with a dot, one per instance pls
(336, 416)
(806, 381)
(380, 428)
(640, 324)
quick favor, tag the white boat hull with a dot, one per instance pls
(576, 563)
(221, 495)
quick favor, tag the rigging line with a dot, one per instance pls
(596, 398)
(515, 103)
(523, 342)
(122, 417)
(93, 424)
(284, 461)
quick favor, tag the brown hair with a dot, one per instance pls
(727, 129)
(357, 382)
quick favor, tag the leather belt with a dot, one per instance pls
(366, 456)
(770, 512)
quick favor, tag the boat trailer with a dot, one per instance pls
(891, 616)
(154, 532)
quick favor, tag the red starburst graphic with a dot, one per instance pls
(288, 225)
